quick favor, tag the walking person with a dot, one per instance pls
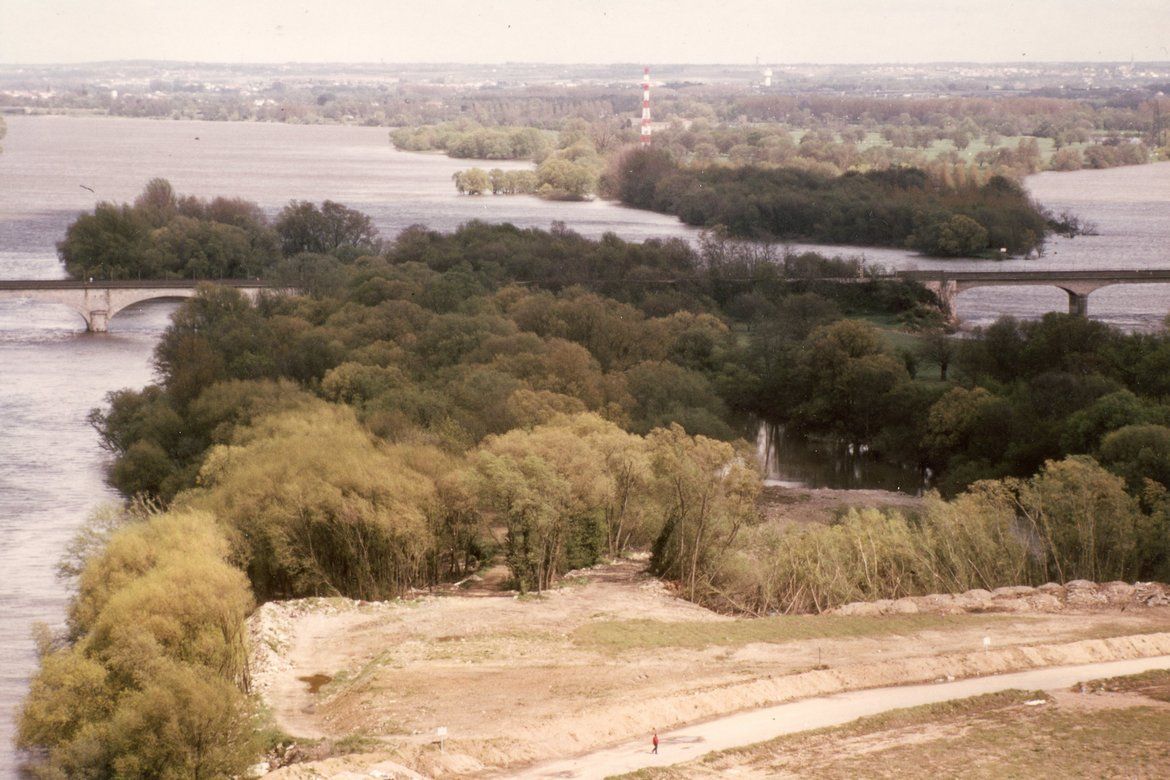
(654, 742)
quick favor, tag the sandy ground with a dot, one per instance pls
(513, 683)
(759, 725)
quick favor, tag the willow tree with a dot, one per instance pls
(566, 492)
(151, 680)
(706, 493)
(315, 506)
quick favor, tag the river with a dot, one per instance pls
(52, 373)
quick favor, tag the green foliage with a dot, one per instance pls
(564, 491)
(470, 141)
(313, 506)
(164, 235)
(955, 235)
(706, 494)
(564, 178)
(151, 681)
(1138, 453)
(877, 208)
(473, 181)
(1073, 520)
(302, 226)
(1089, 526)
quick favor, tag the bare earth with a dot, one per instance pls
(606, 658)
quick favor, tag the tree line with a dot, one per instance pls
(164, 235)
(895, 207)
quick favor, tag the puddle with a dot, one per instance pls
(315, 681)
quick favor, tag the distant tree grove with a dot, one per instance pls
(893, 207)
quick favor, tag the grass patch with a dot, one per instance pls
(1153, 625)
(1154, 684)
(617, 636)
(354, 743)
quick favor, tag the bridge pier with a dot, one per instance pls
(1077, 284)
(945, 290)
(97, 321)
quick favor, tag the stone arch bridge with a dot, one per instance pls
(98, 302)
(947, 285)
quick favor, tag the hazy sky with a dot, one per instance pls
(650, 31)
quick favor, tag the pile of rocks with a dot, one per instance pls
(1077, 594)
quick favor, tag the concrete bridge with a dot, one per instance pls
(1077, 284)
(98, 302)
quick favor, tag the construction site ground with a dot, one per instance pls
(605, 658)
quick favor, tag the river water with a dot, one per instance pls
(52, 373)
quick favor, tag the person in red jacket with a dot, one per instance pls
(654, 741)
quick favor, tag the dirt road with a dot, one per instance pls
(747, 728)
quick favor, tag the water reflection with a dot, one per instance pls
(789, 460)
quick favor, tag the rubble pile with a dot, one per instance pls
(1051, 597)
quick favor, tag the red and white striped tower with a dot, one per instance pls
(645, 106)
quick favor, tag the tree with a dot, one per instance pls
(954, 423)
(1138, 453)
(157, 204)
(150, 684)
(561, 178)
(541, 485)
(705, 493)
(498, 180)
(314, 506)
(476, 181)
(1085, 428)
(111, 243)
(183, 724)
(938, 348)
(303, 227)
(1087, 525)
(166, 236)
(955, 235)
(849, 377)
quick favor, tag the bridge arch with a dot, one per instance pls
(99, 303)
(1077, 292)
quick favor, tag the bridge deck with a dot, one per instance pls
(126, 284)
(1032, 277)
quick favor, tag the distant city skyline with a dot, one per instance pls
(570, 31)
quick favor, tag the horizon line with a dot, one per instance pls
(615, 63)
